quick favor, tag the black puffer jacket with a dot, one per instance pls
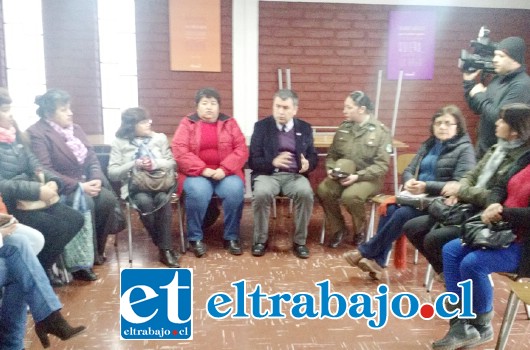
(17, 174)
(456, 159)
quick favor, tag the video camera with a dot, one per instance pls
(482, 56)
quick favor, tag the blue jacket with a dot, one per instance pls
(264, 146)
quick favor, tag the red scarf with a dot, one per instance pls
(8, 135)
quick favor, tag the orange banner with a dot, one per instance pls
(195, 35)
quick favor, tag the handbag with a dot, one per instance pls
(450, 214)
(479, 235)
(420, 202)
(38, 204)
(79, 252)
(158, 180)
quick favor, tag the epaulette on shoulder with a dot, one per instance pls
(384, 127)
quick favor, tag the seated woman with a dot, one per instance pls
(18, 181)
(367, 142)
(63, 148)
(25, 284)
(137, 146)
(461, 263)
(513, 133)
(210, 151)
(446, 155)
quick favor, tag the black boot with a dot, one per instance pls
(483, 325)
(55, 324)
(55, 281)
(460, 334)
(337, 238)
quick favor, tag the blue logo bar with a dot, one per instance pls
(156, 304)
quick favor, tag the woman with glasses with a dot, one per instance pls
(446, 155)
(62, 147)
(366, 142)
(137, 146)
(474, 187)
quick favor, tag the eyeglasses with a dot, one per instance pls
(446, 123)
(145, 122)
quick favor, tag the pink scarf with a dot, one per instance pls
(8, 135)
(76, 146)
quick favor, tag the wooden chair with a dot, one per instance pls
(519, 291)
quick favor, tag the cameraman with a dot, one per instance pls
(510, 85)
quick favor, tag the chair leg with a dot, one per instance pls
(274, 207)
(64, 270)
(429, 278)
(183, 244)
(291, 204)
(416, 254)
(129, 231)
(387, 260)
(323, 231)
(507, 321)
(371, 223)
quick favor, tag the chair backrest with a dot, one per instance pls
(403, 160)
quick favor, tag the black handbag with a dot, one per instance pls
(450, 214)
(479, 235)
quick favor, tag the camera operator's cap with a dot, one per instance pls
(514, 47)
(344, 165)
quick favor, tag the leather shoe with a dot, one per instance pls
(99, 259)
(301, 251)
(233, 247)
(337, 238)
(55, 281)
(360, 236)
(84, 275)
(198, 248)
(353, 257)
(258, 249)
(169, 258)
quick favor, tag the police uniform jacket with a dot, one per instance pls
(369, 145)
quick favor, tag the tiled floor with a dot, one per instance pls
(96, 305)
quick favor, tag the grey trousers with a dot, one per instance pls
(294, 186)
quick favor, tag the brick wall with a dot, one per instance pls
(169, 95)
(71, 50)
(333, 49)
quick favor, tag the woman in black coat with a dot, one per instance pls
(19, 171)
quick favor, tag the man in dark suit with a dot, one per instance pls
(281, 156)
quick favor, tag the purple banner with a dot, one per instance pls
(411, 44)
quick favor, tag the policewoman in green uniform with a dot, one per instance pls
(367, 142)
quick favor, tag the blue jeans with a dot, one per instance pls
(25, 283)
(461, 263)
(198, 194)
(389, 229)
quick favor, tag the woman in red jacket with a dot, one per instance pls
(210, 151)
